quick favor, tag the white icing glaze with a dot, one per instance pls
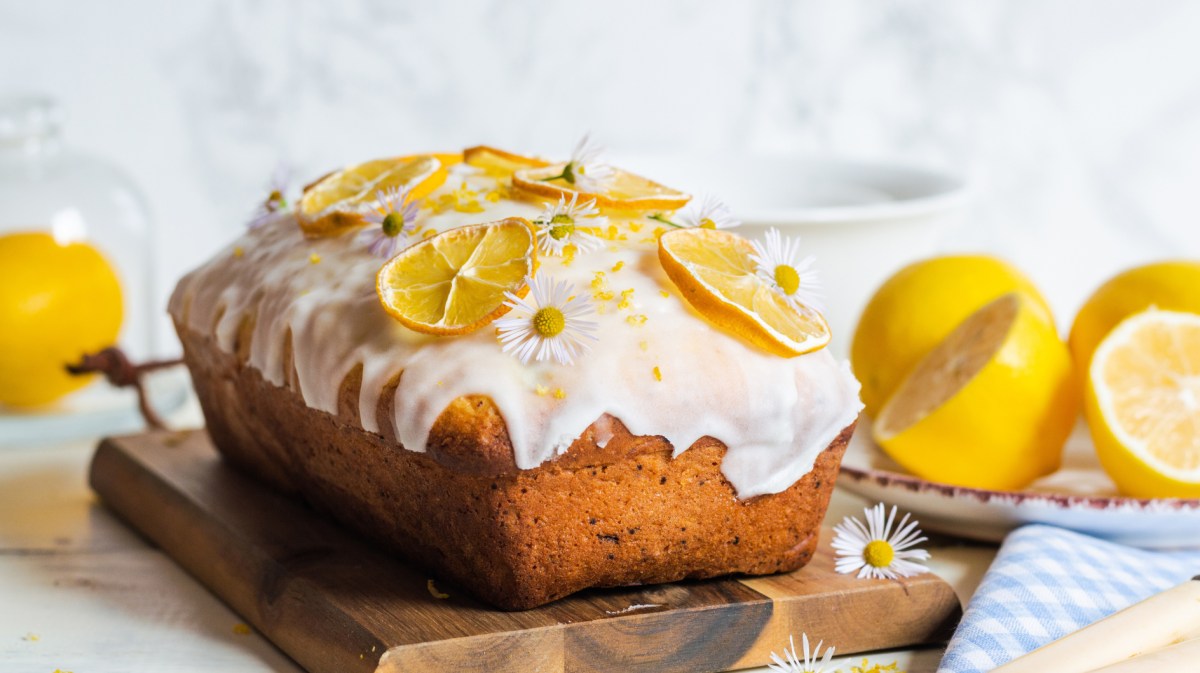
(774, 414)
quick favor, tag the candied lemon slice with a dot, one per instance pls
(623, 191)
(715, 272)
(338, 200)
(1143, 404)
(454, 283)
(498, 163)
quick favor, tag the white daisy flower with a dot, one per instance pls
(277, 197)
(553, 326)
(585, 171)
(394, 216)
(813, 661)
(711, 213)
(781, 266)
(874, 551)
(560, 226)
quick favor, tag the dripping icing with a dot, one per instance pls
(776, 414)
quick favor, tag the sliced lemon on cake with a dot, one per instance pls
(990, 406)
(455, 282)
(499, 163)
(916, 308)
(1143, 404)
(619, 190)
(716, 272)
(339, 200)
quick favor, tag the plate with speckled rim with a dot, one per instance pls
(1079, 496)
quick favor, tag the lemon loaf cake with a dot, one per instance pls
(528, 377)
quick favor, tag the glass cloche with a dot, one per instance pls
(52, 195)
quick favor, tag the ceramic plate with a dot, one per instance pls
(1079, 497)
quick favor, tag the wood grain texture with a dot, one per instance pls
(334, 602)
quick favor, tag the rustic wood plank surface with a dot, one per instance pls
(336, 603)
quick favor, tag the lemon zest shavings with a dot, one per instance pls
(433, 591)
(868, 667)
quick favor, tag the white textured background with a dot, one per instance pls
(1078, 122)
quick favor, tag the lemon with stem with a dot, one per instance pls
(57, 302)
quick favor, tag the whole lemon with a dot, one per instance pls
(57, 302)
(916, 309)
(1170, 286)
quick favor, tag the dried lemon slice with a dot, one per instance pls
(621, 190)
(339, 200)
(715, 271)
(498, 163)
(454, 283)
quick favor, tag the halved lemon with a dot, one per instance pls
(1168, 285)
(990, 406)
(714, 271)
(338, 201)
(624, 191)
(454, 283)
(917, 308)
(1143, 404)
(498, 163)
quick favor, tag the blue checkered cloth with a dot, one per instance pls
(1047, 582)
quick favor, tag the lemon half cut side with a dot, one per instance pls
(1143, 404)
(990, 406)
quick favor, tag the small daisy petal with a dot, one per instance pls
(554, 326)
(585, 170)
(277, 200)
(394, 217)
(875, 550)
(711, 213)
(562, 224)
(791, 661)
(781, 266)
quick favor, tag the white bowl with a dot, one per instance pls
(862, 221)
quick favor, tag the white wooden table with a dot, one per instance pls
(80, 592)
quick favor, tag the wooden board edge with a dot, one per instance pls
(793, 615)
(123, 484)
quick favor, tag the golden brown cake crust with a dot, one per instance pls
(624, 513)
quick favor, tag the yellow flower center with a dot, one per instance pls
(393, 224)
(878, 554)
(787, 278)
(562, 226)
(549, 321)
(707, 223)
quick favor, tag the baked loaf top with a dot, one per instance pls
(309, 305)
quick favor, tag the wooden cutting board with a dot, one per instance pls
(336, 603)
